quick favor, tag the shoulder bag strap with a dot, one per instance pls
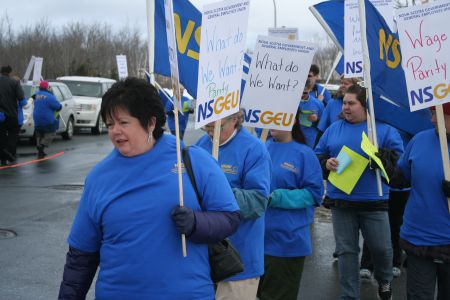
(189, 171)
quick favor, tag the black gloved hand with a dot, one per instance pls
(184, 219)
(446, 188)
(388, 158)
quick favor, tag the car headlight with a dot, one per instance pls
(89, 107)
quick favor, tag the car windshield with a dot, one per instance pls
(88, 89)
(28, 90)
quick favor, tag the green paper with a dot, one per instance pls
(370, 150)
(347, 180)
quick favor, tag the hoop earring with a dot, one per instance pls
(150, 137)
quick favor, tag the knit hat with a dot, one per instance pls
(43, 85)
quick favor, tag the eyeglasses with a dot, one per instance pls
(211, 127)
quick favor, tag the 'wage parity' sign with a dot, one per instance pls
(277, 76)
(426, 53)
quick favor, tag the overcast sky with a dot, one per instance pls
(118, 13)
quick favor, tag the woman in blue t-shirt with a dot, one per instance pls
(425, 233)
(296, 187)
(363, 209)
(129, 223)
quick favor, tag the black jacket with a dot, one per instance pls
(10, 94)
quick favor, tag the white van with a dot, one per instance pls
(88, 93)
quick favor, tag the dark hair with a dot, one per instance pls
(360, 93)
(6, 70)
(314, 69)
(297, 132)
(308, 84)
(139, 98)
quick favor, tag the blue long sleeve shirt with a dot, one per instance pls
(342, 133)
(295, 169)
(246, 164)
(426, 221)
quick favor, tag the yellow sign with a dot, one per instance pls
(370, 150)
(347, 180)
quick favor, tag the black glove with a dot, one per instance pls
(184, 219)
(446, 188)
(388, 158)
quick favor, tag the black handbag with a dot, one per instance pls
(224, 259)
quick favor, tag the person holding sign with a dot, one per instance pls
(246, 164)
(129, 221)
(425, 233)
(360, 207)
(296, 188)
(183, 119)
(317, 91)
(310, 112)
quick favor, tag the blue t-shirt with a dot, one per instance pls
(246, 164)
(294, 166)
(186, 104)
(317, 89)
(330, 114)
(45, 106)
(342, 133)
(426, 221)
(307, 108)
(125, 212)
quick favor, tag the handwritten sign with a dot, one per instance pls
(426, 53)
(352, 34)
(173, 57)
(122, 68)
(276, 79)
(37, 71)
(223, 34)
(352, 40)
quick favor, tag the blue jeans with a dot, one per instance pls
(374, 226)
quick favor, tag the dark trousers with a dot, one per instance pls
(422, 276)
(9, 134)
(281, 279)
(397, 203)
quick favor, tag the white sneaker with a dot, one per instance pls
(365, 274)
(396, 272)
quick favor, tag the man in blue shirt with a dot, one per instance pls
(247, 166)
(183, 118)
(310, 113)
(318, 91)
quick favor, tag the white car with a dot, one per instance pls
(67, 113)
(88, 93)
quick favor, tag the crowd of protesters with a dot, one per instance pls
(260, 195)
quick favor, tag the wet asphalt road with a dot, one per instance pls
(38, 202)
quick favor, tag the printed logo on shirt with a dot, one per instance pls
(289, 167)
(229, 169)
(175, 168)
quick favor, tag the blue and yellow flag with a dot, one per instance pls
(389, 91)
(187, 33)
